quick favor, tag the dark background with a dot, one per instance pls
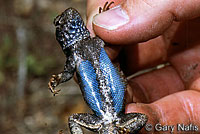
(29, 55)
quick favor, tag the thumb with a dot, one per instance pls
(133, 21)
(178, 108)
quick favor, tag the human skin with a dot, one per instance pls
(155, 32)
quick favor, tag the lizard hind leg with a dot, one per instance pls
(86, 120)
(132, 122)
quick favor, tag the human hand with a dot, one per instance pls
(169, 32)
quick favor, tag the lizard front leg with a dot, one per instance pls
(54, 81)
(64, 76)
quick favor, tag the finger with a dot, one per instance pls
(182, 74)
(152, 86)
(177, 39)
(187, 65)
(136, 21)
(133, 21)
(93, 9)
(182, 107)
(147, 54)
(143, 55)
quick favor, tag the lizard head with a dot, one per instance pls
(70, 28)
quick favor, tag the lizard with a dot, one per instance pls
(102, 85)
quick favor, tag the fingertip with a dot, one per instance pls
(136, 108)
(131, 22)
(147, 109)
(111, 19)
(110, 24)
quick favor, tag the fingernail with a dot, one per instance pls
(111, 19)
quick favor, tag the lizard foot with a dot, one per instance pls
(132, 123)
(105, 7)
(86, 120)
(54, 81)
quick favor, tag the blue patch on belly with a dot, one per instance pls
(115, 82)
(90, 87)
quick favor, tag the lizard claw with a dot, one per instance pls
(54, 81)
(124, 131)
(105, 7)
